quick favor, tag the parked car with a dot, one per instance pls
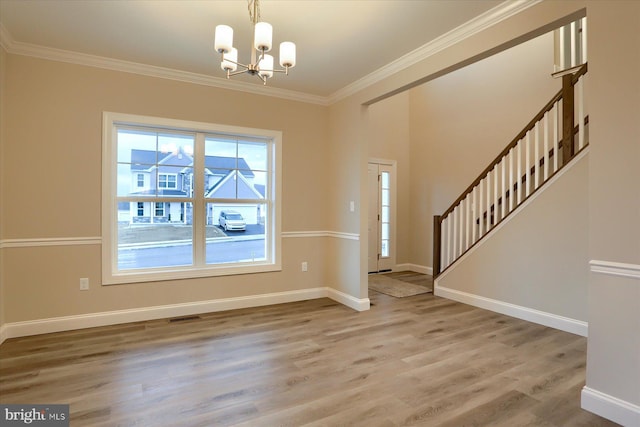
(231, 220)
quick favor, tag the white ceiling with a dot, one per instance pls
(338, 41)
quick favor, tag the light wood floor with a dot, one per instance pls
(418, 360)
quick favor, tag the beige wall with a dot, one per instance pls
(347, 182)
(52, 150)
(542, 252)
(613, 356)
(389, 139)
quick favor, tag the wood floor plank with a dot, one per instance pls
(419, 360)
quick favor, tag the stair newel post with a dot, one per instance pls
(567, 118)
(437, 226)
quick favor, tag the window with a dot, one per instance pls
(167, 181)
(159, 209)
(175, 227)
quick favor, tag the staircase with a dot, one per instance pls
(547, 143)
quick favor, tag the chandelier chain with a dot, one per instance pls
(254, 11)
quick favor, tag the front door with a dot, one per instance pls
(380, 226)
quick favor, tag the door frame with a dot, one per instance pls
(393, 211)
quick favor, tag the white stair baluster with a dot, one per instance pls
(454, 226)
(574, 53)
(562, 52)
(488, 207)
(461, 229)
(448, 239)
(467, 229)
(536, 155)
(495, 195)
(519, 176)
(580, 93)
(474, 213)
(511, 192)
(503, 191)
(556, 139)
(546, 145)
(480, 204)
(527, 163)
(584, 39)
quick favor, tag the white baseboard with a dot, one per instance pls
(415, 268)
(68, 323)
(611, 408)
(566, 324)
(358, 304)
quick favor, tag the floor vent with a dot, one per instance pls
(184, 318)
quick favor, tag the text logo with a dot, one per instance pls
(35, 415)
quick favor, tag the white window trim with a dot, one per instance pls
(110, 274)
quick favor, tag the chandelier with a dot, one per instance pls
(261, 64)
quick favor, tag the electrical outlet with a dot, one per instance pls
(84, 284)
(304, 266)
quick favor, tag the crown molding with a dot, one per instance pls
(491, 17)
(60, 55)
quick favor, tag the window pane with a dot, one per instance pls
(385, 197)
(385, 231)
(253, 154)
(241, 232)
(252, 184)
(133, 141)
(174, 181)
(385, 214)
(385, 248)
(235, 169)
(385, 180)
(224, 148)
(152, 163)
(128, 180)
(174, 149)
(160, 237)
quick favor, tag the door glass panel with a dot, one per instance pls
(385, 180)
(384, 252)
(385, 231)
(385, 214)
(385, 197)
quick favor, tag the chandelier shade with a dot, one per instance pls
(263, 36)
(230, 60)
(287, 54)
(261, 64)
(224, 38)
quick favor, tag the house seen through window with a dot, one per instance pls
(187, 200)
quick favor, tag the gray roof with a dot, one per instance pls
(143, 160)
